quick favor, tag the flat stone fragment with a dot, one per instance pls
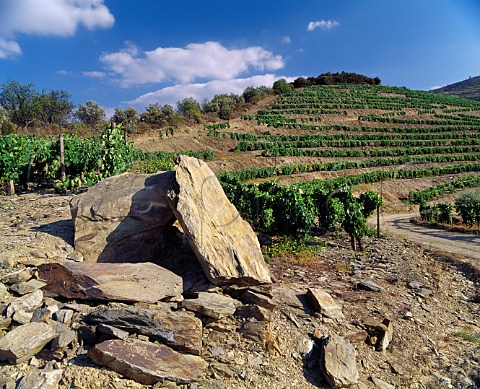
(381, 384)
(213, 305)
(148, 363)
(27, 287)
(225, 244)
(112, 331)
(41, 379)
(339, 362)
(22, 275)
(323, 303)
(179, 330)
(370, 286)
(252, 297)
(133, 282)
(25, 303)
(25, 341)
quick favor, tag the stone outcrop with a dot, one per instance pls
(123, 218)
(128, 218)
(144, 282)
(224, 243)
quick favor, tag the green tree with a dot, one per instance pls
(223, 105)
(190, 109)
(19, 101)
(54, 107)
(128, 118)
(251, 95)
(281, 86)
(91, 114)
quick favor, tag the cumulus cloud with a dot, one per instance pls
(9, 48)
(196, 61)
(200, 91)
(50, 18)
(286, 40)
(323, 24)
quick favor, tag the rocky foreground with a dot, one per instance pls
(396, 315)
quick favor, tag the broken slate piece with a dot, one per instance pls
(339, 362)
(133, 282)
(179, 330)
(25, 341)
(27, 287)
(323, 303)
(26, 303)
(369, 285)
(148, 363)
(112, 331)
(213, 305)
(41, 379)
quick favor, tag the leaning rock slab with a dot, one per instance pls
(339, 361)
(178, 330)
(138, 282)
(323, 303)
(25, 341)
(148, 363)
(225, 245)
(123, 218)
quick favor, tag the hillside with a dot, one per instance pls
(409, 312)
(468, 89)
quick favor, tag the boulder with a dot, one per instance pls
(323, 303)
(123, 218)
(339, 362)
(179, 330)
(25, 341)
(225, 245)
(148, 363)
(135, 282)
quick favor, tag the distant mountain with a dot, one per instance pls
(469, 89)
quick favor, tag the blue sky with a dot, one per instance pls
(124, 53)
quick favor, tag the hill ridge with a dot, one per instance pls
(468, 89)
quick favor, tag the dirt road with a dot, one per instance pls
(466, 245)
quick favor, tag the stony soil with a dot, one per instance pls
(427, 350)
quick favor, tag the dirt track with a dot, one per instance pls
(466, 245)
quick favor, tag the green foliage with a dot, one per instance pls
(160, 116)
(128, 118)
(223, 105)
(19, 102)
(371, 201)
(115, 155)
(281, 86)
(190, 109)
(91, 114)
(468, 205)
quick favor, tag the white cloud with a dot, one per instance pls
(9, 48)
(94, 74)
(286, 39)
(323, 24)
(200, 91)
(197, 61)
(51, 18)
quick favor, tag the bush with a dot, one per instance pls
(468, 205)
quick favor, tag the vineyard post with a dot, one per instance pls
(10, 187)
(62, 158)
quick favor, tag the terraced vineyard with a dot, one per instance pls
(324, 138)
